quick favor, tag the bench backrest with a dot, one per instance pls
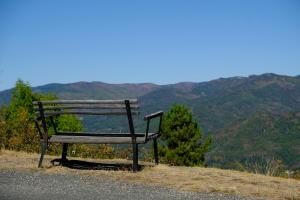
(86, 107)
(53, 108)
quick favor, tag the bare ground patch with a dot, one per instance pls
(196, 179)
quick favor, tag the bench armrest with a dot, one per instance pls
(148, 119)
(153, 115)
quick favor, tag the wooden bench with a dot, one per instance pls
(47, 110)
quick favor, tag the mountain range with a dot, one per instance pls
(247, 116)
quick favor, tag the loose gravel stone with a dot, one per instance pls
(17, 185)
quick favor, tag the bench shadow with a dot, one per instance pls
(85, 165)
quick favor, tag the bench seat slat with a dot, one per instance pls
(95, 139)
(95, 134)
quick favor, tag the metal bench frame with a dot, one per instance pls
(128, 107)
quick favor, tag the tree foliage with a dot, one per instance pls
(182, 138)
(67, 123)
(17, 131)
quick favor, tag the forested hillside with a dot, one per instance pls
(262, 137)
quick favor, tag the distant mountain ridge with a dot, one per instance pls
(96, 90)
(219, 105)
(89, 90)
(220, 102)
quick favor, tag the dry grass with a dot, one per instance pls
(184, 178)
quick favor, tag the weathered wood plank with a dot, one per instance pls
(94, 139)
(86, 106)
(96, 134)
(47, 114)
(140, 139)
(132, 101)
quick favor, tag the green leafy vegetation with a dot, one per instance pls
(182, 138)
(17, 130)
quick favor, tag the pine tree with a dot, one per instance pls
(182, 142)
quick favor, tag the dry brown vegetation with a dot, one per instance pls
(197, 179)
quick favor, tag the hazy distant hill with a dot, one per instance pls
(230, 108)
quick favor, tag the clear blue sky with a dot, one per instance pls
(146, 41)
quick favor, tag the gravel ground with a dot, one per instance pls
(39, 185)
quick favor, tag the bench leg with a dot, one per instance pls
(155, 151)
(135, 157)
(43, 150)
(64, 153)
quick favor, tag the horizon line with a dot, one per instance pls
(136, 83)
